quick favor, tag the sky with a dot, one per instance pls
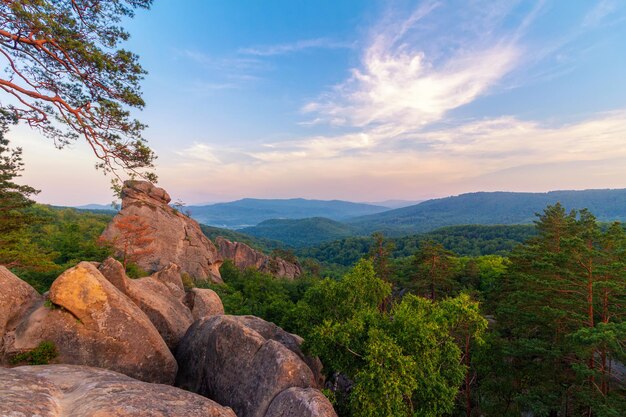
(367, 100)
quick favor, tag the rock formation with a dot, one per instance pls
(92, 323)
(243, 256)
(300, 402)
(159, 296)
(174, 237)
(224, 359)
(204, 302)
(16, 297)
(80, 391)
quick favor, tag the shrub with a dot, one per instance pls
(41, 355)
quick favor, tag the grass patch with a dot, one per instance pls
(41, 355)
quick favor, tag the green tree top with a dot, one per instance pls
(66, 76)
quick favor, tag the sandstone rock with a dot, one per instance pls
(93, 323)
(158, 296)
(204, 302)
(243, 256)
(176, 237)
(16, 298)
(291, 341)
(80, 391)
(222, 358)
(301, 402)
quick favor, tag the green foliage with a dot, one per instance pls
(300, 232)
(560, 319)
(56, 240)
(70, 79)
(403, 363)
(135, 271)
(263, 295)
(45, 352)
(473, 240)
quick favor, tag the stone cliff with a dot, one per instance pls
(171, 236)
(243, 256)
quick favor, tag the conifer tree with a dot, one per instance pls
(433, 270)
(561, 282)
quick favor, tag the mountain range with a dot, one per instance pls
(252, 211)
(483, 208)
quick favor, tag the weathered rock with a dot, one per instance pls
(176, 237)
(16, 299)
(222, 358)
(301, 402)
(291, 341)
(80, 391)
(243, 256)
(92, 323)
(158, 296)
(204, 302)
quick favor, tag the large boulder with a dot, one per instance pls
(301, 402)
(243, 256)
(16, 299)
(224, 359)
(171, 236)
(92, 323)
(293, 342)
(80, 391)
(204, 302)
(158, 296)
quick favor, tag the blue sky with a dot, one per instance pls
(369, 100)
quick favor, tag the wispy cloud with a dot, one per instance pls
(392, 132)
(298, 46)
(404, 80)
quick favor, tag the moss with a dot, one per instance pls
(135, 271)
(188, 282)
(41, 355)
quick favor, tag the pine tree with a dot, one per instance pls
(433, 270)
(551, 314)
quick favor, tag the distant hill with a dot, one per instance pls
(489, 208)
(103, 207)
(301, 232)
(251, 211)
(473, 240)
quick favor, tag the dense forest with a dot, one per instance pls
(413, 328)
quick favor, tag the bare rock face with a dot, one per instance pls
(92, 323)
(293, 342)
(16, 298)
(80, 391)
(176, 238)
(244, 362)
(301, 402)
(243, 256)
(158, 296)
(204, 302)
(222, 358)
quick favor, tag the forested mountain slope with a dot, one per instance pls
(251, 211)
(490, 208)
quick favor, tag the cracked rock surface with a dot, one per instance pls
(80, 391)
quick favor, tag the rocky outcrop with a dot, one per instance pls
(291, 341)
(79, 391)
(224, 359)
(92, 323)
(243, 256)
(158, 296)
(16, 298)
(204, 302)
(300, 402)
(172, 237)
